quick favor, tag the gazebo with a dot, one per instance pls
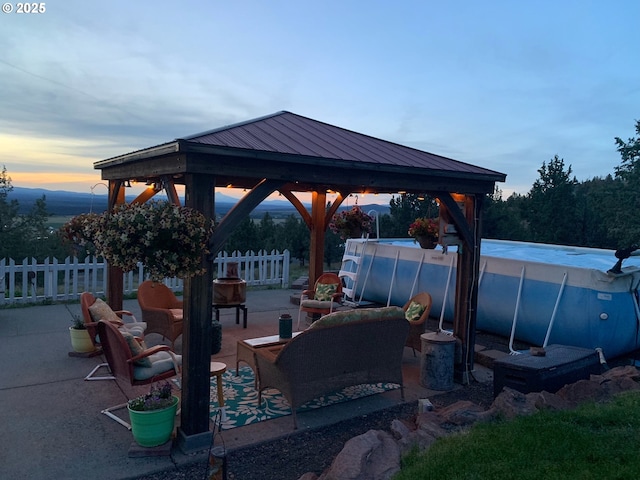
(288, 153)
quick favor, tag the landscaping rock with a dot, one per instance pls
(550, 401)
(462, 413)
(371, 456)
(429, 422)
(512, 403)
(375, 455)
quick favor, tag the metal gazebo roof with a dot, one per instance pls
(304, 152)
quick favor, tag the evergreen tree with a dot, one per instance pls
(294, 236)
(267, 233)
(24, 236)
(552, 213)
(404, 209)
(245, 237)
(9, 235)
(626, 225)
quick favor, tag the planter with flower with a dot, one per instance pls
(351, 223)
(80, 339)
(152, 415)
(425, 231)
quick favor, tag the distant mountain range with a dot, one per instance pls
(60, 202)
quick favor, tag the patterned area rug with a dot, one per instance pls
(241, 399)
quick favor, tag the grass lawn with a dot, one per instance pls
(595, 441)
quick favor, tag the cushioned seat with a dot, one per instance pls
(417, 311)
(326, 293)
(160, 362)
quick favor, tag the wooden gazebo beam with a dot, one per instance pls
(240, 210)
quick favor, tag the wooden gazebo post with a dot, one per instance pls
(114, 290)
(318, 228)
(467, 223)
(194, 433)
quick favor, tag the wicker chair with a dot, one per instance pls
(309, 302)
(161, 310)
(417, 327)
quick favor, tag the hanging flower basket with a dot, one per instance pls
(427, 242)
(351, 223)
(169, 240)
(425, 231)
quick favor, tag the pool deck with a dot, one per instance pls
(51, 416)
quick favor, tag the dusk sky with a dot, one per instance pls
(504, 85)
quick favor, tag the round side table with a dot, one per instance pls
(217, 369)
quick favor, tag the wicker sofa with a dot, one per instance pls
(341, 349)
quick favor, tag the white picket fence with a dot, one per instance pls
(30, 282)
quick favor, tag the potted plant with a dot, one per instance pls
(425, 231)
(152, 415)
(351, 223)
(80, 338)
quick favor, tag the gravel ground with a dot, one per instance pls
(313, 450)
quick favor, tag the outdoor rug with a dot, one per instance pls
(241, 399)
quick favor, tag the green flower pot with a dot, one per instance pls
(153, 427)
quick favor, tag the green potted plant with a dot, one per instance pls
(351, 223)
(425, 231)
(80, 338)
(152, 415)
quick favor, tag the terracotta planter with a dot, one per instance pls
(427, 242)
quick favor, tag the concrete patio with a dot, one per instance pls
(51, 416)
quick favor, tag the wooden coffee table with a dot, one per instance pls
(246, 350)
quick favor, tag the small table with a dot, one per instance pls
(246, 349)
(238, 307)
(217, 369)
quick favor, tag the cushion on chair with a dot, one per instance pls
(160, 363)
(414, 311)
(136, 349)
(316, 304)
(358, 315)
(101, 311)
(136, 329)
(324, 291)
(177, 313)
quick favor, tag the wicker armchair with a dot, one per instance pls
(417, 327)
(161, 310)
